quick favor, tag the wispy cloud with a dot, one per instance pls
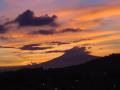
(34, 47)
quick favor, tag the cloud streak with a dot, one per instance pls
(53, 31)
(34, 47)
(44, 32)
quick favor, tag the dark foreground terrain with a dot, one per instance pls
(100, 74)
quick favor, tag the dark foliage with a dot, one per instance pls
(100, 74)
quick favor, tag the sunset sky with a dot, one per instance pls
(53, 26)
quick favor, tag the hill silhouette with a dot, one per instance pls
(74, 56)
(99, 74)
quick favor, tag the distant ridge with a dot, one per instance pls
(71, 57)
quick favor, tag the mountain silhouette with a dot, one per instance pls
(98, 74)
(71, 57)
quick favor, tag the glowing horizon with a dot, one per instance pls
(82, 23)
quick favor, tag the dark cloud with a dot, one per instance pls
(27, 18)
(52, 31)
(81, 40)
(3, 38)
(6, 47)
(59, 43)
(33, 47)
(44, 32)
(70, 51)
(56, 51)
(70, 30)
(2, 29)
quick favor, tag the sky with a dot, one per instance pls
(40, 30)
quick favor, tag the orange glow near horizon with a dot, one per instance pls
(98, 27)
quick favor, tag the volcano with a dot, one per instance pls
(74, 56)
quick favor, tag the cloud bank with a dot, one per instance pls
(27, 18)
